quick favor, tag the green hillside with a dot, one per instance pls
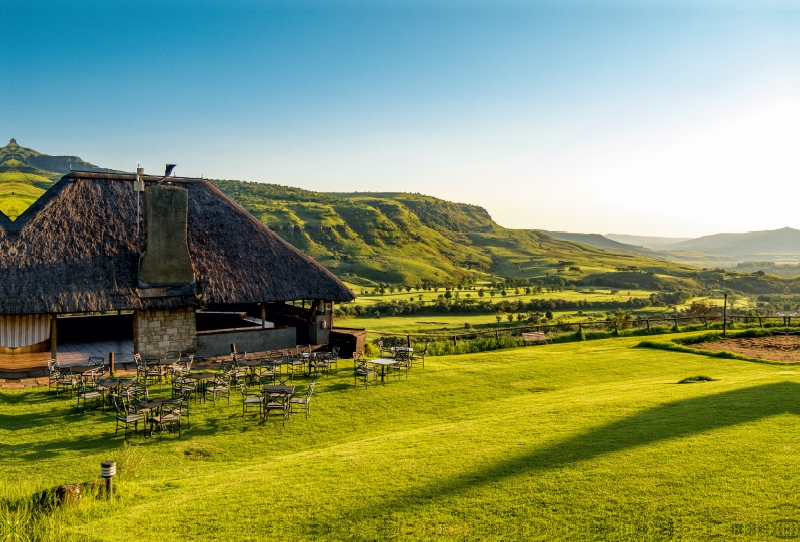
(411, 239)
(26, 174)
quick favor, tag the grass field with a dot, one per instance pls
(590, 440)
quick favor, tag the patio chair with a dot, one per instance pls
(183, 387)
(154, 371)
(363, 371)
(277, 403)
(334, 358)
(233, 371)
(402, 362)
(220, 386)
(59, 378)
(302, 402)
(250, 398)
(98, 368)
(87, 391)
(420, 357)
(126, 417)
(141, 368)
(169, 419)
(386, 352)
(183, 404)
(266, 373)
(320, 364)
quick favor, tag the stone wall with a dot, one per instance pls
(157, 332)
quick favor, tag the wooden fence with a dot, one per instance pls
(585, 325)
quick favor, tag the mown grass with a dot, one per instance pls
(591, 440)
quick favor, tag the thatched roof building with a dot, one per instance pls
(78, 249)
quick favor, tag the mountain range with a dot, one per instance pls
(401, 238)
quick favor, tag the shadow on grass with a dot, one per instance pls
(669, 421)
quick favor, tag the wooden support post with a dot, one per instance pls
(408, 340)
(53, 338)
(616, 328)
(725, 317)
(455, 343)
(705, 321)
(760, 323)
(263, 316)
(496, 334)
(111, 363)
(647, 321)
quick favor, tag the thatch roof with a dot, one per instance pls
(76, 250)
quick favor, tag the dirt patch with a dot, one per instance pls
(780, 348)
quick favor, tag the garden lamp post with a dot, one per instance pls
(108, 469)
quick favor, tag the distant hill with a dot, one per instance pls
(411, 238)
(768, 245)
(26, 174)
(654, 243)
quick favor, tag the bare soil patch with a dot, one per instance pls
(779, 348)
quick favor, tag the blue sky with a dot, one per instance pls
(660, 118)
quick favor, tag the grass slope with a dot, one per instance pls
(591, 441)
(410, 238)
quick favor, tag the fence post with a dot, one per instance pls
(455, 342)
(647, 321)
(408, 340)
(616, 328)
(496, 335)
(705, 321)
(760, 324)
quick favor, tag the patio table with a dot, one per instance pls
(278, 389)
(202, 378)
(384, 363)
(113, 383)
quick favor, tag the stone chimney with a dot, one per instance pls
(165, 260)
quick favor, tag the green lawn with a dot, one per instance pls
(591, 440)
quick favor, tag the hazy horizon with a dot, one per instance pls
(667, 119)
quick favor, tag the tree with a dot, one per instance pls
(408, 289)
(548, 315)
(448, 294)
(520, 317)
(510, 317)
(499, 318)
(480, 293)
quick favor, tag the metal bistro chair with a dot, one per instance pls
(362, 370)
(420, 357)
(126, 418)
(402, 362)
(220, 386)
(232, 370)
(169, 418)
(320, 364)
(266, 373)
(87, 392)
(250, 398)
(59, 378)
(386, 352)
(154, 371)
(277, 403)
(183, 387)
(334, 359)
(302, 402)
(98, 368)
